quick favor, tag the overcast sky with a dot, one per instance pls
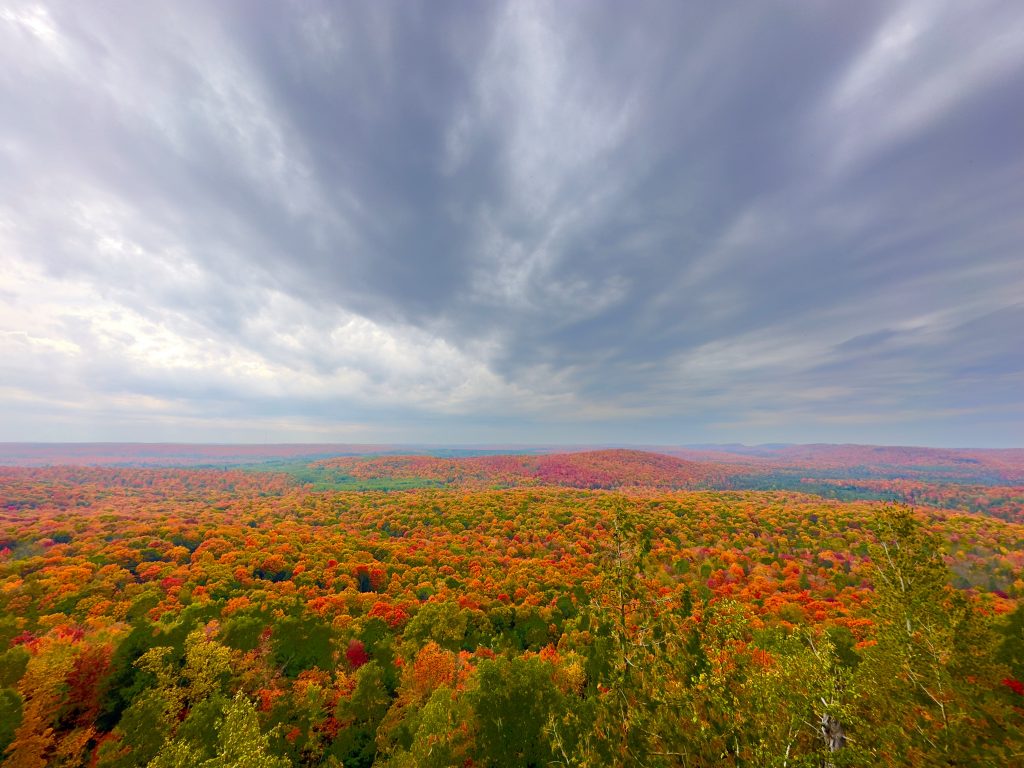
(480, 222)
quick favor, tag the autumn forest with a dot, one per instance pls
(828, 606)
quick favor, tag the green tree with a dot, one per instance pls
(445, 623)
(361, 713)
(241, 743)
(196, 686)
(10, 716)
(440, 734)
(303, 642)
(930, 682)
(798, 702)
(1011, 645)
(513, 700)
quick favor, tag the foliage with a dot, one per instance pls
(204, 617)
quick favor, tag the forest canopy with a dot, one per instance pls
(606, 608)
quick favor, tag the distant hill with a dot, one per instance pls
(613, 468)
(961, 464)
(572, 466)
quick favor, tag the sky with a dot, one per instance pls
(555, 222)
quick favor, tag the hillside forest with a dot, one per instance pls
(791, 606)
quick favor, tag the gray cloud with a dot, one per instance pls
(546, 222)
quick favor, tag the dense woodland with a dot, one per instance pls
(607, 608)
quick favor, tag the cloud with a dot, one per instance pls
(905, 79)
(512, 221)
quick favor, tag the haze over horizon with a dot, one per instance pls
(491, 223)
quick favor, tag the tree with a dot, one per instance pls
(440, 734)
(513, 701)
(155, 718)
(10, 716)
(444, 623)
(635, 660)
(241, 743)
(929, 681)
(360, 714)
(42, 691)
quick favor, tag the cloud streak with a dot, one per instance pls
(512, 221)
